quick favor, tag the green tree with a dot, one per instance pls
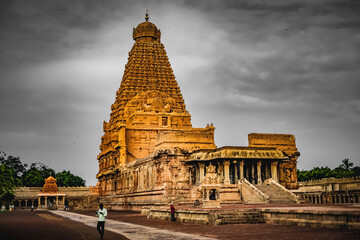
(33, 178)
(15, 165)
(345, 169)
(67, 179)
(7, 180)
(7, 197)
(346, 164)
(37, 173)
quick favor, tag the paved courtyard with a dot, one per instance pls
(24, 224)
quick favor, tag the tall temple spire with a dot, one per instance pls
(148, 87)
(147, 15)
(148, 69)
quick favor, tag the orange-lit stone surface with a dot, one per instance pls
(50, 186)
(151, 154)
(286, 144)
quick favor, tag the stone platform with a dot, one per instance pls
(319, 217)
(344, 217)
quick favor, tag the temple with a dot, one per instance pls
(151, 154)
(53, 198)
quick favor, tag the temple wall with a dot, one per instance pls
(32, 192)
(330, 190)
(285, 143)
(330, 185)
(198, 138)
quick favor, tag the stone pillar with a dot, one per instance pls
(253, 172)
(274, 170)
(246, 171)
(26, 201)
(236, 171)
(39, 201)
(46, 203)
(57, 200)
(226, 172)
(242, 169)
(267, 171)
(202, 172)
(63, 200)
(259, 172)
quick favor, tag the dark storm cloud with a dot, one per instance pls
(35, 30)
(247, 66)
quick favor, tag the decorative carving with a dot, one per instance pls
(211, 177)
(50, 186)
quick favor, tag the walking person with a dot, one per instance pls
(101, 213)
(172, 210)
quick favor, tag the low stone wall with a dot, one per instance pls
(188, 216)
(330, 185)
(330, 190)
(134, 201)
(313, 218)
(332, 197)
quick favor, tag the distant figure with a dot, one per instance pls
(32, 208)
(101, 213)
(172, 209)
(196, 203)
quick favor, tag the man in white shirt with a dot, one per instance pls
(101, 213)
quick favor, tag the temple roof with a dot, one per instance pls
(261, 153)
(146, 29)
(50, 186)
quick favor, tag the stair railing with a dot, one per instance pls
(293, 196)
(251, 194)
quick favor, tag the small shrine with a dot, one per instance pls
(210, 188)
(53, 199)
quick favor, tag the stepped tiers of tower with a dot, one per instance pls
(50, 186)
(151, 154)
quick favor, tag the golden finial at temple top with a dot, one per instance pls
(147, 15)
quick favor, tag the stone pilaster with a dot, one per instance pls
(202, 172)
(274, 170)
(253, 172)
(236, 171)
(259, 172)
(242, 169)
(226, 172)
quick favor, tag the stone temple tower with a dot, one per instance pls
(149, 112)
(151, 155)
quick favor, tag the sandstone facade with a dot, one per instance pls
(150, 153)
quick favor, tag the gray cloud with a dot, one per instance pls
(245, 66)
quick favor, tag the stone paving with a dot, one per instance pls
(130, 230)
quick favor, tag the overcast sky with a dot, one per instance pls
(246, 66)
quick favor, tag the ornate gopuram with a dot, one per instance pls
(151, 154)
(53, 198)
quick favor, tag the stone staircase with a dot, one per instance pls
(275, 193)
(237, 217)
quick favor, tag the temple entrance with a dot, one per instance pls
(50, 197)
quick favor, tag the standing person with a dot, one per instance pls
(172, 209)
(101, 213)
